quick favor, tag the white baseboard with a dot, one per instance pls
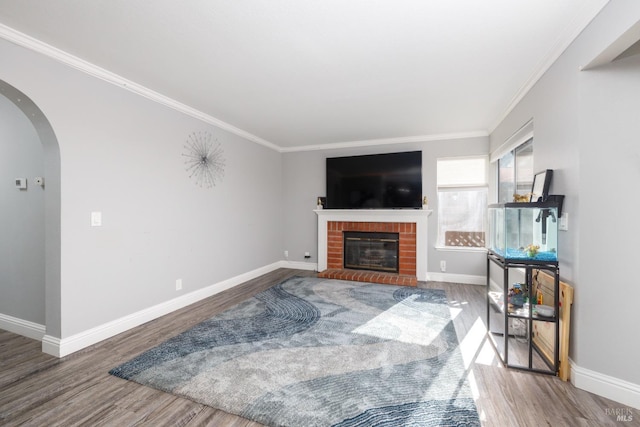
(22, 327)
(612, 388)
(457, 278)
(65, 346)
(51, 345)
(299, 265)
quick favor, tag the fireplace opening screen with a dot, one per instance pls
(371, 251)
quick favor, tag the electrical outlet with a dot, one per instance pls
(307, 255)
(178, 284)
(96, 219)
(443, 266)
(286, 254)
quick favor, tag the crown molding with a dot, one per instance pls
(72, 61)
(76, 63)
(385, 141)
(583, 17)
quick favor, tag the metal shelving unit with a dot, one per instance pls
(498, 306)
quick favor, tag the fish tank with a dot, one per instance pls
(524, 232)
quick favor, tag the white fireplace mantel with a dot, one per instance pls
(417, 216)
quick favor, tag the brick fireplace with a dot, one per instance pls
(410, 224)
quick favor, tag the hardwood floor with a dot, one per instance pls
(37, 389)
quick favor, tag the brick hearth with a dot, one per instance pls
(370, 276)
(406, 251)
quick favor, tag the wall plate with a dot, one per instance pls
(96, 219)
(563, 222)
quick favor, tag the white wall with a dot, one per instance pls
(586, 127)
(22, 245)
(121, 154)
(304, 180)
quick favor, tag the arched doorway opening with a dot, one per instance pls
(52, 240)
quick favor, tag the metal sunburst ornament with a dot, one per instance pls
(204, 159)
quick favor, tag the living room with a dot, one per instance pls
(115, 152)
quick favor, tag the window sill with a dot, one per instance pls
(460, 249)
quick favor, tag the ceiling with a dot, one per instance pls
(304, 74)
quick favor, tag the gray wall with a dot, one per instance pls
(304, 180)
(121, 154)
(22, 245)
(586, 127)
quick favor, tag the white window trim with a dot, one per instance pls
(519, 137)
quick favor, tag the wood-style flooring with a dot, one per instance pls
(40, 390)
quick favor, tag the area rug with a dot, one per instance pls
(321, 352)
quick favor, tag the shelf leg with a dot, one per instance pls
(505, 296)
(556, 305)
(529, 284)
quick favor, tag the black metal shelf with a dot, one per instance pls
(499, 300)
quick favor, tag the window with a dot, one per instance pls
(462, 201)
(515, 172)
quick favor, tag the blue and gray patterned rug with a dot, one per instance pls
(320, 352)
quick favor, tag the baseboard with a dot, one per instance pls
(22, 327)
(299, 265)
(51, 345)
(457, 278)
(437, 277)
(65, 346)
(612, 388)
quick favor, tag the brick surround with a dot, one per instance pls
(411, 223)
(406, 251)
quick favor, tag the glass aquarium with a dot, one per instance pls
(524, 231)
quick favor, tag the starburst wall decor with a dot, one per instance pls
(203, 159)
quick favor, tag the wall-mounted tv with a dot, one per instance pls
(377, 181)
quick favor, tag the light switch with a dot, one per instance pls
(21, 183)
(96, 219)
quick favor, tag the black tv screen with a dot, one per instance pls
(378, 181)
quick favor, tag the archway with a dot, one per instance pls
(51, 148)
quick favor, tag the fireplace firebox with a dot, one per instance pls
(371, 251)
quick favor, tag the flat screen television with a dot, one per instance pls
(377, 181)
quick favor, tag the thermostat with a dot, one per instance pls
(21, 183)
